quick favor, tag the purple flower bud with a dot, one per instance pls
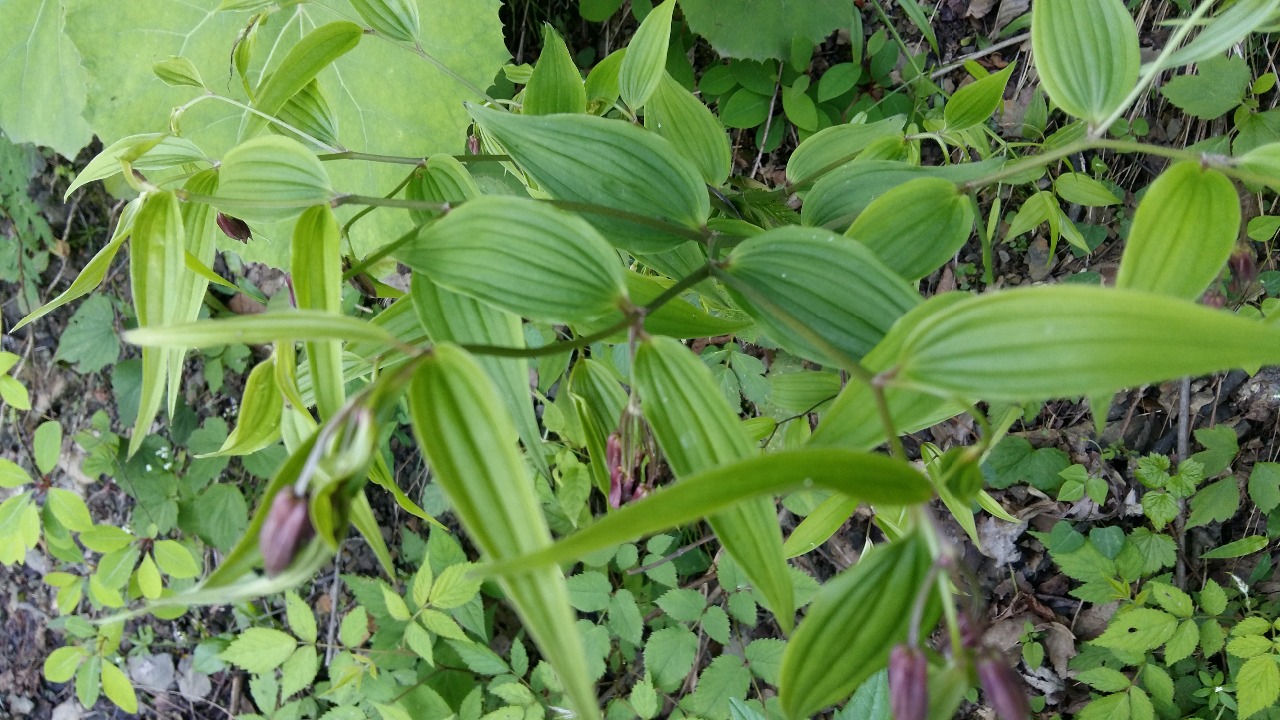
(234, 227)
(1003, 688)
(1244, 269)
(908, 683)
(285, 530)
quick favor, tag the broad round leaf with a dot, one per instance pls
(675, 114)
(916, 227)
(1086, 52)
(271, 178)
(555, 85)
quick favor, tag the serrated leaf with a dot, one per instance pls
(174, 559)
(1086, 52)
(1213, 599)
(1183, 231)
(555, 85)
(396, 606)
(1257, 685)
(1216, 502)
(1247, 646)
(1214, 91)
(302, 621)
(442, 625)
(478, 658)
(118, 689)
(1264, 486)
(976, 102)
(1104, 679)
(469, 440)
(764, 656)
(819, 295)
(259, 650)
(725, 678)
(1183, 642)
(420, 642)
(612, 164)
(1138, 631)
(1220, 447)
(299, 671)
(644, 699)
(741, 29)
(669, 655)
(1018, 346)
(354, 629)
(682, 605)
(1170, 598)
(645, 62)
(916, 227)
(90, 340)
(43, 81)
(551, 266)
(677, 115)
(589, 591)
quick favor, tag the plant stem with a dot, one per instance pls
(427, 205)
(269, 118)
(406, 160)
(346, 228)
(645, 220)
(380, 253)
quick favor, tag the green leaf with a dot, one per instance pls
(12, 475)
(818, 295)
(444, 180)
(875, 478)
(455, 587)
(1086, 52)
(1171, 599)
(223, 516)
(117, 688)
(839, 142)
(555, 85)
(1264, 485)
(259, 650)
(1018, 346)
(669, 655)
(397, 19)
(799, 109)
(1137, 631)
(261, 329)
(420, 642)
(1104, 679)
(745, 109)
(1182, 233)
(677, 115)
(396, 606)
(258, 423)
(469, 439)
(765, 658)
(90, 340)
(177, 71)
(304, 60)
(759, 31)
(583, 159)
(42, 80)
(1218, 88)
(682, 605)
(839, 196)
(1213, 599)
(868, 599)
(725, 678)
(302, 621)
(270, 178)
(645, 62)
(174, 559)
(1239, 548)
(145, 152)
(819, 525)
(105, 538)
(354, 629)
(478, 658)
(61, 664)
(916, 227)
(698, 431)
(1214, 503)
(1220, 447)
(1247, 646)
(299, 671)
(589, 591)
(678, 318)
(1081, 189)
(46, 446)
(1227, 29)
(1160, 508)
(551, 266)
(316, 270)
(975, 103)
(1257, 685)
(148, 577)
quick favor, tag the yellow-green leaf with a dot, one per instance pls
(675, 114)
(974, 103)
(258, 424)
(1068, 341)
(397, 19)
(1086, 52)
(316, 265)
(611, 163)
(698, 431)
(1182, 233)
(162, 151)
(555, 85)
(916, 227)
(469, 440)
(271, 178)
(839, 144)
(548, 265)
(305, 59)
(646, 58)
(156, 272)
(268, 327)
(442, 179)
(118, 688)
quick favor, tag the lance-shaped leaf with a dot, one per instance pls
(94, 271)
(452, 317)
(258, 424)
(869, 477)
(695, 131)
(316, 267)
(974, 103)
(156, 271)
(698, 431)
(442, 179)
(164, 151)
(1086, 52)
(1068, 341)
(310, 112)
(801, 284)
(313, 53)
(199, 223)
(1226, 29)
(610, 163)
(271, 178)
(852, 624)
(839, 143)
(1182, 233)
(646, 58)
(469, 440)
(916, 227)
(292, 326)
(523, 256)
(836, 200)
(819, 525)
(397, 19)
(555, 85)
(598, 399)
